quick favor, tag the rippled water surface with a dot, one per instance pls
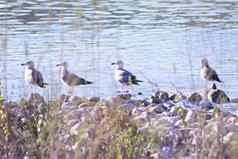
(159, 40)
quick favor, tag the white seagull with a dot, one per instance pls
(71, 79)
(33, 76)
(124, 77)
(207, 72)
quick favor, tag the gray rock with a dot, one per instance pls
(208, 116)
(94, 99)
(160, 108)
(177, 98)
(160, 97)
(125, 96)
(206, 105)
(129, 105)
(75, 100)
(164, 97)
(168, 105)
(146, 102)
(195, 98)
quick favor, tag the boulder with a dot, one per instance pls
(206, 105)
(145, 102)
(75, 100)
(160, 97)
(94, 99)
(160, 108)
(177, 98)
(195, 98)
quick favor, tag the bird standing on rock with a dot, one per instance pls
(124, 77)
(217, 96)
(33, 76)
(71, 79)
(208, 73)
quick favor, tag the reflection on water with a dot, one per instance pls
(160, 41)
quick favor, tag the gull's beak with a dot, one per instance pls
(23, 64)
(113, 63)
(58, 65)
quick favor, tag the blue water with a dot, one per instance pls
(160, 41)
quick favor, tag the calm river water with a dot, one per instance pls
(161, 41)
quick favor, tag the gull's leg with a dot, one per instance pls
(121, 88)
(127, 89)
(71, 91)
(206, 84)
(34, 89)
(29, 91)
(205, 91)
(124, 89)
(25, 90)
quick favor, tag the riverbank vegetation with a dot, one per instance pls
(117, 128)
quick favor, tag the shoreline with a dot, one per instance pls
(76, 127)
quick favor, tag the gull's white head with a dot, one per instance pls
(119, 64)
(29, 64)
(204, 62)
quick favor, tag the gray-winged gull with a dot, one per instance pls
(208, 73)
(71, 79)
(123, 76)
(32, 75)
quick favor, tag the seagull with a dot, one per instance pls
(33, 76)
(208, 73)
(71, 79)
(217, 96)
(123, 76)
